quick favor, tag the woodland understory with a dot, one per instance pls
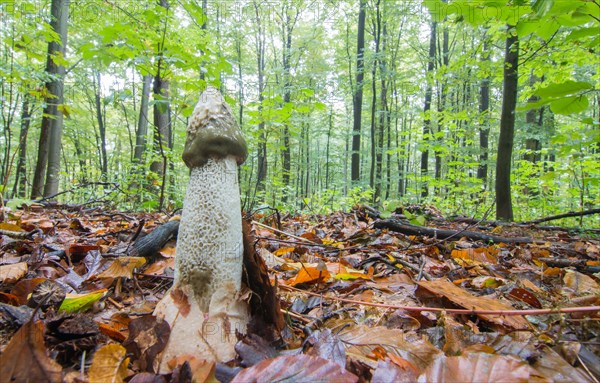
(361, 301)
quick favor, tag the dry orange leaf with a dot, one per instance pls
(283, 250)
(168, 251)
(109, 365)
(158, 268)
(457, 295)
(309, 275)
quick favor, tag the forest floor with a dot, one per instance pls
(362, 299)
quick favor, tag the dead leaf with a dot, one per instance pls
(122, 267)
(389, 372)
(580, 283)
(12, 273)
(479, 367)
(25, 358)
(525, 296)
(360, 342)
(456, 295)
(297, 368)
(147, 338)
(283, 250)
(202, 370)
(309, 275)
(109, 365)
(158, 268)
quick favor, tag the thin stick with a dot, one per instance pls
(453, 311)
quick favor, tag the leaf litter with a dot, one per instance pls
(360, 303)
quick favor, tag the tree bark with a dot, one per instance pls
(50, 114)
(142, 126)
(20, 185)
(101, 127)
(484, 128)
(260, 64)
(358, 93)
(426, 111)
(504, 210)
(60, 16)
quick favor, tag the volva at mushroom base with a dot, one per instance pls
(207, 302)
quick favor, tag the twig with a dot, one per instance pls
(453, 311)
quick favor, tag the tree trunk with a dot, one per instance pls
(101, 127)
(142, 126)
(504, 210)
(50, 114)
(20, 185)
(358, 93)
(484, 128)
(426, 111)
(260, 64)
(60, 13)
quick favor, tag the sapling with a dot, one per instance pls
(207, 303)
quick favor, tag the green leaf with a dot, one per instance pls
(542, 7)
(569, 105)
(563, 89)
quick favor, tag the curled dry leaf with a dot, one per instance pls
(444, 289)
(25, 358)
(109, 365)
(297, 368)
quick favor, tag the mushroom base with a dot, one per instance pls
(205, 335)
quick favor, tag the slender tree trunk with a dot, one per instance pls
(101, 127)
(260, 64)
(20, 185)
(504, 210)
(427, 132)
(61, 7)
(484, 128)
(142, 126)
(50, 115)
(358, 93)
(441, 107)
(289, 22)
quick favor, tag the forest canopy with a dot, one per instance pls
(465, 105)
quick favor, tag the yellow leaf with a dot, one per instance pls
(81, 302)
(10, 227)
(109, 365)
(284, 250)
(12, 273)
(122, 267)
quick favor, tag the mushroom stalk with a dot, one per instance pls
(207, 303)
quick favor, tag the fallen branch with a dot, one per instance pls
(565, 310)
(565, 215)
(409, 229)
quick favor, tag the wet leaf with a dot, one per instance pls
(25, 357)
(109, 365)
(479, 367)
(297, 368)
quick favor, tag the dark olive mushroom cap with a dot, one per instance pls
(213, 132)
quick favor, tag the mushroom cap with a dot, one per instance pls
(213, 132)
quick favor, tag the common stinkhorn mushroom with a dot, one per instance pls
(207, 303)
